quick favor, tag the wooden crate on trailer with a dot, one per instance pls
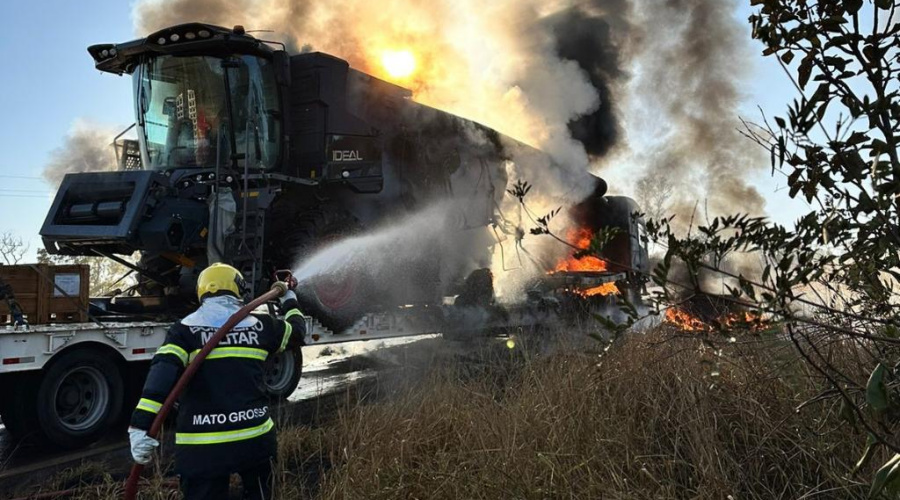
(47, 293)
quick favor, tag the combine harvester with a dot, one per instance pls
(251, 156)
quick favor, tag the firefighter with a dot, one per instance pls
(224, 422)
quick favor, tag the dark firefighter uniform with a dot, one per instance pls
(224, 422)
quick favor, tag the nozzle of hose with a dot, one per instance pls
(281, 286)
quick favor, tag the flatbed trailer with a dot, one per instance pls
(69, 383)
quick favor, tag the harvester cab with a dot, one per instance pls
(209, 125)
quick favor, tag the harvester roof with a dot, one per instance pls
(183, 39)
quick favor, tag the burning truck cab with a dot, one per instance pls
(251, 156)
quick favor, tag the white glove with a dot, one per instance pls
(142, 445)
(289, 295)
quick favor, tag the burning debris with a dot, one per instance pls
(707, 313)
(685, 321)
(603, 290)
(580, 239)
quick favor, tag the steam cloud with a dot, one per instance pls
(85, 149)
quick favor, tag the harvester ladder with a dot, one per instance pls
(247, 243)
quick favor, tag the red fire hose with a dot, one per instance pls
(278, 289)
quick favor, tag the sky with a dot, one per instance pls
(49, 83)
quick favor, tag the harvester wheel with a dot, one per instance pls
(336, 300)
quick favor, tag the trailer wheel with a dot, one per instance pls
(79, 397)
(283, 372)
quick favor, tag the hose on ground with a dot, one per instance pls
(277, 290)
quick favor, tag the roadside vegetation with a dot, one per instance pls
(806, 406)
(657, 415)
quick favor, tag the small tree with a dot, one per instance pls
(12, 248)
(654, 193)
(832, 278)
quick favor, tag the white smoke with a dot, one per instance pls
(86, 148)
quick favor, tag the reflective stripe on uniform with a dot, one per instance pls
(288, 329)
(292, 313)
(175, 351)
(234, 352)
(223, 437)
(149, 405)
(287, 336)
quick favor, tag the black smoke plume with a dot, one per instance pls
(598, 35)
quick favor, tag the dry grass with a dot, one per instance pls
(648, 419)
(653, 417)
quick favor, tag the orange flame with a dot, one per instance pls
(689, 323)
(604, 289)
(685, 321)
(745, 320)
(581, 239)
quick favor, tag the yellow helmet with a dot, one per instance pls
(219, 279)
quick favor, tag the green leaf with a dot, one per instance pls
(856, 138)
(876, 392)
(787, 57)
(805, 71)
(853, 6)
(883, 475)
(883, 4)
(867, 453)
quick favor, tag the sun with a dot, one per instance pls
(399, 64)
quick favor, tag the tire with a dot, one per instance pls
(283, 372)
(336, 301)
(18, 406)
(79, 398)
